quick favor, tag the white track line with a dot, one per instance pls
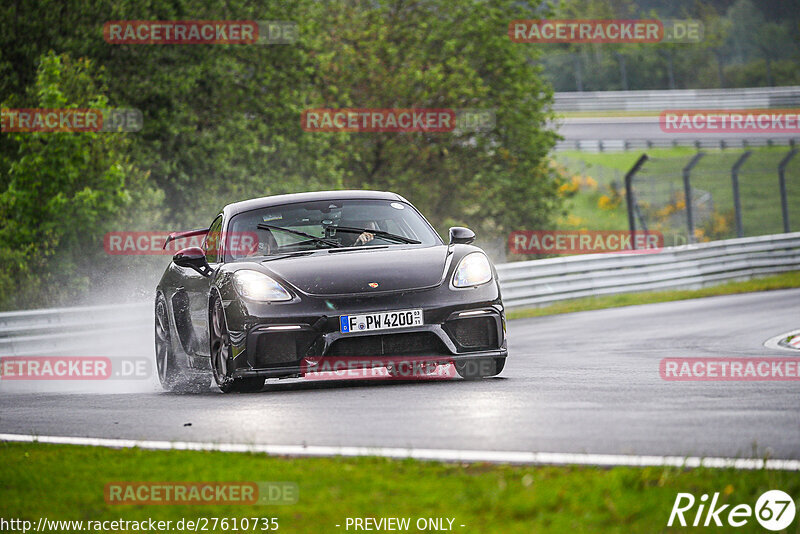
(442, 455)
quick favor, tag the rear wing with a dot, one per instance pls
(186, 233)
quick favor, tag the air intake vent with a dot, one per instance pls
(408, 344)
(474, 333)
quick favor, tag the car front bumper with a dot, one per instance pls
(272, 340)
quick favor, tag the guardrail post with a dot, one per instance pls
(782, 178)
(735, 180)
(687, 193)
(629, 195)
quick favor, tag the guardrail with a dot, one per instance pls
(540, 282)
(745, 98)
(59, 330)
(621, 145)
(528, 283)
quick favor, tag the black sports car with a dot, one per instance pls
(284, 283)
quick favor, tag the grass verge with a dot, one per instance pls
(767, 283)
(66, 483)
(680, 155)
(659, 191)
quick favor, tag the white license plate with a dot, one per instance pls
(369, 322)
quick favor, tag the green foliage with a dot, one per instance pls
(222, 122)
(486, 498)
(745, 44)
(62, 191)
(419, 55)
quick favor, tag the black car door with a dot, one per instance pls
(198, 287)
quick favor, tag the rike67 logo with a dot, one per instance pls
(774, 510)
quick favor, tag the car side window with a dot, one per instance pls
(211, 242)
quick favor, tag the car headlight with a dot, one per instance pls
(472, 270)
(258, 286)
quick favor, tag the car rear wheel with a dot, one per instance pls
(220, 355)
(173, 376)
(480, 368)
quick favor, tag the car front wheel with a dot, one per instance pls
(220, 355)
(172, 375)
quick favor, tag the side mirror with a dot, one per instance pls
(459, 234)
(193, 258)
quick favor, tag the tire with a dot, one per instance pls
(220, 354)
(171, 374)
(480, 367)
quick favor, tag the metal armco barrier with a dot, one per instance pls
(65, 330)
(622, 145)
(743, 98)
(524, 284)
(538, 282)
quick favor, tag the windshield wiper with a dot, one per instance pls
(333, 244)
(379, 233)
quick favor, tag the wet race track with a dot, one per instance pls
(576, 383)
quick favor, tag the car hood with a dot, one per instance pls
(351, 271)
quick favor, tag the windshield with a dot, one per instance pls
(309, 226)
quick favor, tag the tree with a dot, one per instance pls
(222, 122)
(63, 190)
(418, 54)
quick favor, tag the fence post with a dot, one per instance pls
(737, 206)
(782, 177)
(687, 193)
(629, 196)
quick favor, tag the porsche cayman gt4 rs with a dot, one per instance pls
(284, 283)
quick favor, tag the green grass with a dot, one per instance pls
(779, 281)
(67, 482)
(584, 210)
(678, 156)
(660, 179)
(623, 161)
(583, 207)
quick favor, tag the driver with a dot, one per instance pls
(266, 244)
(366, 237)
